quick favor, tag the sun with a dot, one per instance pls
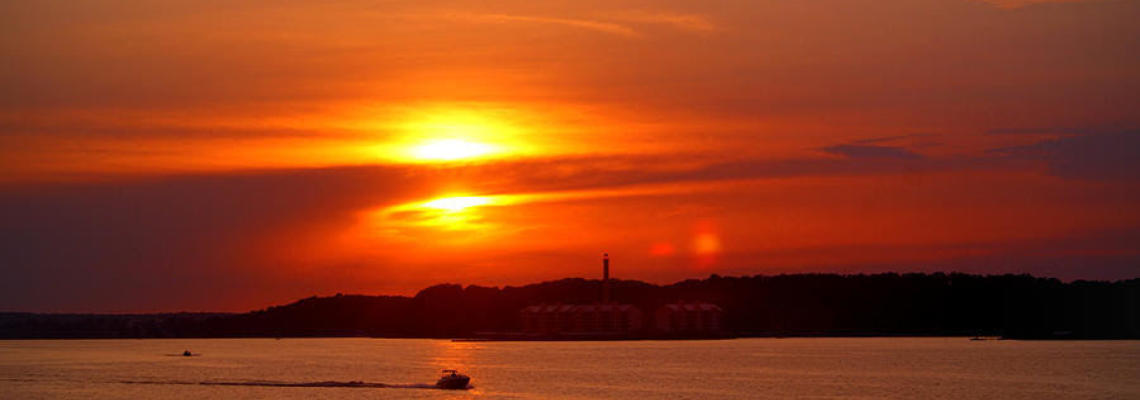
(455, 134)
(456, 204)
(451, 150)
(450, 134)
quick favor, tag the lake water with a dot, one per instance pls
(949, 368)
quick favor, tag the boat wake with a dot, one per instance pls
(321, 384)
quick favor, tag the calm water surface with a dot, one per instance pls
(950, 368)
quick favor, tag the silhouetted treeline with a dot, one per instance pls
(1015, 306)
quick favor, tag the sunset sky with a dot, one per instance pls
(225, 156)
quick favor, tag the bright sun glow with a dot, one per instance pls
(451, 149)
(454, 213)
(456, 204)
(448, 134)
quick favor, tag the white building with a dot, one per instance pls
(689, 318)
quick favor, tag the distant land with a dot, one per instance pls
(1009, 306)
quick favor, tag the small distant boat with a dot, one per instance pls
(977, 335)
(452, 379)
(187, 353)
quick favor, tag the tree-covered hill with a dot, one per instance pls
(1015, 306)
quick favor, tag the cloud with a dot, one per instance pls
(172, 239)
(1107, 254)
(885, 139)
(242, 236)
(1055, 130)
(604, 172)
(686, 22)
(175, 237)
(78, 82)
(859, 151)
(1024, 3)
(616, 23)
(593, 25)
(1093, 156)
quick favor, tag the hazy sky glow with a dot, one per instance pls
(201, 155)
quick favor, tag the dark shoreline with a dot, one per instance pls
(801, 305)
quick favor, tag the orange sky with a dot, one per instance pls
(190, 155)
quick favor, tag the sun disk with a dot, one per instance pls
(453, 204)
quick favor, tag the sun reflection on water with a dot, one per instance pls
(455, 355)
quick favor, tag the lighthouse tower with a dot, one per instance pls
(606, 278)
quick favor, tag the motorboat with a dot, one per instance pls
(452, 379)
(187, 353)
